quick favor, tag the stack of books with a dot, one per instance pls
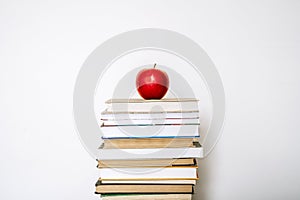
(149, 149)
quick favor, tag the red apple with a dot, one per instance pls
(152, 83)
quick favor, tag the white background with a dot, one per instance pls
(254, 44)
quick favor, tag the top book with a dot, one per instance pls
(141, 105)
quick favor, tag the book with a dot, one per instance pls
(141, 143)
(167, 104)
(150, 131)
(153, 153)
(143, 188)
(140, 181)
(182, 172)
(108, 115)
(142, 122)
(146, 163)
(146, 197)
(149, 149)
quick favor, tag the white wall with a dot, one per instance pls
(254, 44)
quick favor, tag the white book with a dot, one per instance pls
(156, 153)
(148, 173)
(150, 131)
(171, 104)
(107, 115)
(194, 121)
(179, 182)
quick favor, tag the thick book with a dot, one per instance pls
(150, 131)
(154, 153)
(141, 143)
(142, 122)
(182, 172)
(135, 115)
(143, 189)
(146, 163)
(168, 104)
(146, 197)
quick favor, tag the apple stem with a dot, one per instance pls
(154, 66)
